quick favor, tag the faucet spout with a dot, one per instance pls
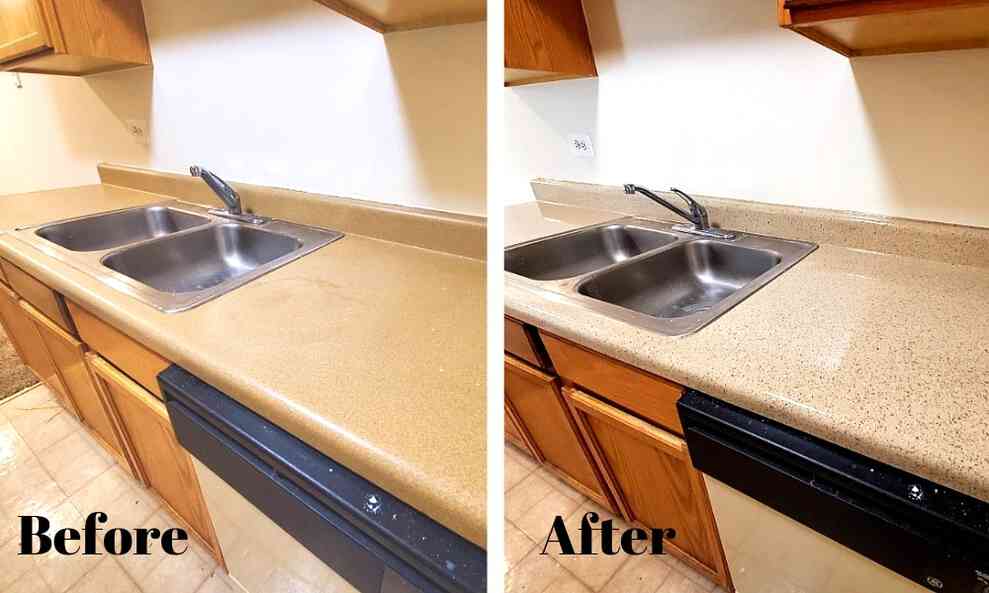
(700, 224)
(220, 187)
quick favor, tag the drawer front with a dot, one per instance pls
(38, 294)
(535, 397)
(521, 343)
(142, 364)
(645, 395)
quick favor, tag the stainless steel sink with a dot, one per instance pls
(201, 259)
(113, 229)
(582, 251)
(674, 286)
(180, 256)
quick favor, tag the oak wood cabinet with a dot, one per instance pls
(535, 397)
(161, 461)
(72, 37)
(652, 480)
(69, 357)
(29, 345)
(876, 27)
(385, 17)
(546, 40)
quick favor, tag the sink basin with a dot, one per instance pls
(651, 273)
(573, 254)
(684, 280)
(106, 231)
(201, 259)
(174, 255)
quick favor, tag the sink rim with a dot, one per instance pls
(635, 224)
(166, 206)
(791, 251)
(90, 262)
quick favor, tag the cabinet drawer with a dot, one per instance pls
(645, 395)
(142, 364)
(38, 294)
(523, 343)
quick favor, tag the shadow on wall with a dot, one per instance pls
(444, 116)
(929, 117)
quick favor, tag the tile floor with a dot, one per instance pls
(533, 496)
(49, 465)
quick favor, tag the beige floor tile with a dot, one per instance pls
(640, 574)
(593, 570)
(538, 520)
(74, 461)
(44, 425)
(523, 458)
(702, 582)
(12, 564)
(29, 582)
(178, 574)
(678, 582)
(217, 583)
(13, 449)
(102, 490)
(9, 526)
(133, 506)
(27, 489)
(140, 566)
(60, 571)
(525, 495)
(559, 485)
(517, 545)
(533, 574)
(566, 583)
(515, 472)
(37, 397)
(106, 577)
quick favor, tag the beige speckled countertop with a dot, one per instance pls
(887, 355)
(368, 350)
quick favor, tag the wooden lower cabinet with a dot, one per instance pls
(69, 357)
(536, 399)
(29, 345)
(652, 480)
(161, 461)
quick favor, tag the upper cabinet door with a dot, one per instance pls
(22, 29)
(546, 40)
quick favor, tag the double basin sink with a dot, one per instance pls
(651, 275)
(174, 256)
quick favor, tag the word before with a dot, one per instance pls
(116, 541)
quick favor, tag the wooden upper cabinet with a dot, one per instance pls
(878, 27)
(546, 40)
(652, 480)
(72, 37)
(535, 398)
(22, 29)
(385, 16)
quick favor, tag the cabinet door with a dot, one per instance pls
(535, 397)
(69, 356)
(28, 343)
(160, 459)
(516, 433)
(22, 29)
(653, 480)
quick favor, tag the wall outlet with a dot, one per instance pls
(138, 129)
(580, 145)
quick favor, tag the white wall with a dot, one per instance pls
(285, 93)
(711, 96)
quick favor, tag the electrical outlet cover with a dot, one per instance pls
(580, 145)
(138, 128)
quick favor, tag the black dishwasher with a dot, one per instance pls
(320, 503)
(930, 534)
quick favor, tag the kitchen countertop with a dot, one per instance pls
(886, 355)
(368, 350)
